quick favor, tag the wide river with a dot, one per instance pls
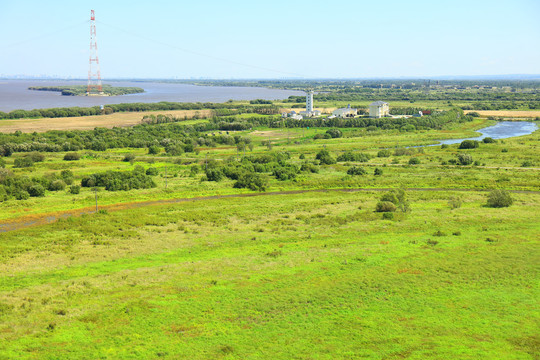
(14, 94)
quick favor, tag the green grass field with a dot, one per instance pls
(308, 276)
(313, 275)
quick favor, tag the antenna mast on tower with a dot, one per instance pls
(94, 75)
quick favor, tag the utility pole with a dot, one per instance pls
(95, 192)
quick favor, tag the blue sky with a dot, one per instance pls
(272, 39)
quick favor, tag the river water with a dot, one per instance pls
(501, 130)
(14, 94)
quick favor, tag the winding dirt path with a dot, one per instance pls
(42, 219)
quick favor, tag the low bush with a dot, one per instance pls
(309, 168)
(129, 158)
(325, 158)
(350, 156)
(464, 159)
(414, 161)
(385, 206)
(74, 189)
(73, 156)
(388, 215)
(153, 150)
(57, 185)
(499, 198)
(253, 181)
(356, 170)
(23, 162)
(214, 174)
(384, 153)
(35, 190)
(151, 171)
(36, 156)
(454, 203)
(469, 144)
(194, 170)
(397, 197)
(286, 172)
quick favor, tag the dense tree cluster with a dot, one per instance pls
(120, 180)
(250, 171)
(174, 138)
(22, 187)
(113, 108)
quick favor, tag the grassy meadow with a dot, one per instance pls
(316, 274)
(305, 276)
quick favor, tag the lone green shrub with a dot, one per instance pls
(72, 156)
(129, 158)
(23, 162)
(388, 215)
(384, 153)
(325, 158)
(499, 198)
(36, 190)
(464, 159)
(36, 156)
(57, 185)
(194, 170)
(356, 170)
(469, 144)
(397, 197)
(385, 206)
(350, 156)
(151, 171)
(153, 150)
(454, 203)
(414, 161)
(214, 174)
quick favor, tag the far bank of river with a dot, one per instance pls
(14, 94)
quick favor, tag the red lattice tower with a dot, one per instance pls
(94, 75)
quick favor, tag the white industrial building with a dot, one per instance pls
(345, 112)
(309, 112)
(309, 106)
(379, 109)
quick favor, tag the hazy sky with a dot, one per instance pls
(272, 39)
